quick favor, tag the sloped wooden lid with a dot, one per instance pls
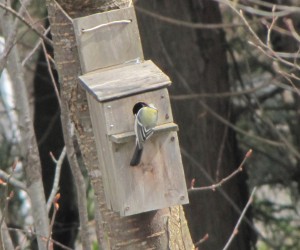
(124, 80)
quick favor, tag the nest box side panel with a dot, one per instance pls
(158, 182)
(119, 116)
(104, 40)
(104, 154)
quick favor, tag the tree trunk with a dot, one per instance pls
(196, 62)
(161, 229)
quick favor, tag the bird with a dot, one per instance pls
(146, 116)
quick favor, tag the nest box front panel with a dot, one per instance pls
(118, 113)
(158, 181)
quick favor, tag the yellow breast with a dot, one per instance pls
(148, 117)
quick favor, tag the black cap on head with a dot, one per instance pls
(138, 106)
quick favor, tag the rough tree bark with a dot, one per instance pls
(161, 229)
(196, 62)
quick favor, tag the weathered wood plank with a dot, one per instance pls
(126, 80)
(119, 117)
(111, 44)
(127, 136)
(104, 154)
(158, 182)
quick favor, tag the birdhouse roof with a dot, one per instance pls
(124, 80)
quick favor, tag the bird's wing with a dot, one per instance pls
(142, 133)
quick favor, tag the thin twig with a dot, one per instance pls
(11, 180)
(277, 28)
(221, 150)
(186, 24)
(278, 6)
(30, 233)
(259, 12)
(235, 230)
(292, 29)
(239, 130)
(51, 74)
(35, 48)
(55, 187)
(56, 206)
(220, 183)
(268, 51)
(270, 28)
(288, 78)
(30, 25)
(185, 97)
(204, 172)
(203, 239)
(259, 44)
(290, 146)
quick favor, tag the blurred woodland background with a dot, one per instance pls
(235, 72)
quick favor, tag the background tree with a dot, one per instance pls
(195, 59)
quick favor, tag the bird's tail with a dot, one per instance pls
(137, 155)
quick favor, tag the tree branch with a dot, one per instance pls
(35, 48)
(184, 23)
(30, 25)
(220, 183)
(235, 230)
(55, 187)
(11, 180)
(51, 74)
(30, 233)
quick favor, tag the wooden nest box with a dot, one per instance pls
(115, 78)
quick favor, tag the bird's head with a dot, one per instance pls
(140, 105)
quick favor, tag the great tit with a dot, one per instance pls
(145, 120)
